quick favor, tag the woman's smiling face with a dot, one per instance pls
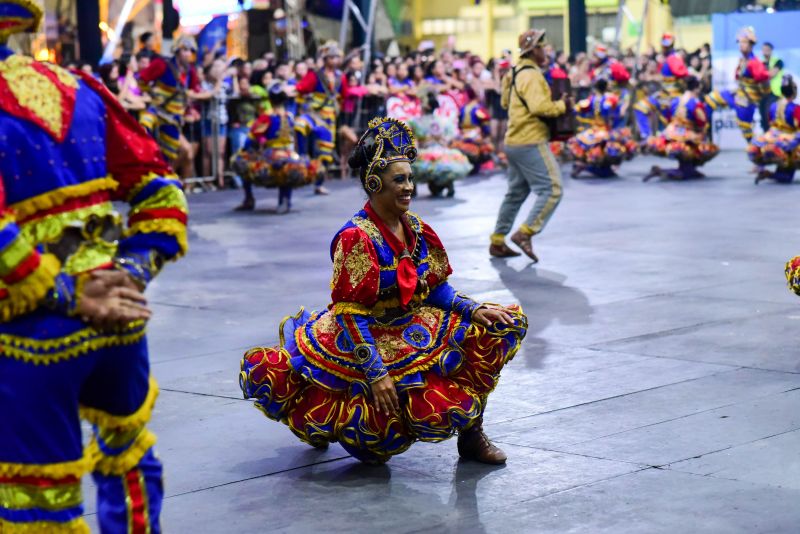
(398, 185)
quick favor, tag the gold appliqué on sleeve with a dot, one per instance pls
(33, 91)
(437, 261)
(390, 346)
(369, 228)
(357, 263)
(338, 262)
(414, 221)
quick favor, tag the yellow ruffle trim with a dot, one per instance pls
(122, 463)
(25, 296)
(76, 468)
(124, 422)
(163, 226)
(76, 344)
(56, 197)
(76, 526)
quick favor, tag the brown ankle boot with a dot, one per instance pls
(474, 445)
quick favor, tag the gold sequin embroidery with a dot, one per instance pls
(369, 228)
(338, 262)
(437, 261)
(63, 75)
(33, 91)
(390, 346)
(357, 263)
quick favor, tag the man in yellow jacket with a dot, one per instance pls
(531, 165)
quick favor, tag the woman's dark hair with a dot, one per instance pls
(124, 60)
(601, 85)
(692, 83)
(257, 76)
(277, 95)
(105, 75)
(788, 88)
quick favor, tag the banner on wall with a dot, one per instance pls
(780, 29)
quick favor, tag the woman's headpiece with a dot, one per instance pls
(393, 141)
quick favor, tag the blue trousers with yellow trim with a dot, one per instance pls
(745, 110)
(41, 453)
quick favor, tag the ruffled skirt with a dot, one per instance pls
(683, 144)
(776, 147)
(443, 368)
(600, 147)
(274, 167)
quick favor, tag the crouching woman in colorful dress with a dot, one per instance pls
(399, 356)
(600, 146)
(779, 145)
(685, 138)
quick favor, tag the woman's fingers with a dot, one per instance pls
(395, 399)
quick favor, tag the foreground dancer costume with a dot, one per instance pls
(780, 145)
(600, 146)
(69, 149)
(753, 79)
(393, 314)
(685, 138)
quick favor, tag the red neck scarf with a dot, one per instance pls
(406, 270)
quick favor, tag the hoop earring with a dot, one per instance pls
(373, 184)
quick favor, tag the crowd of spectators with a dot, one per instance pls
(235, 89)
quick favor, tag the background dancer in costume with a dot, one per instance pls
(673, 72)
(618, 80)
(269, 159)
(599, 147)
(779, 145)
(170, 82)
(400, 356)
(753, 79)
(321, 90)
(531, 164)
(685, 138)
(475, 137)
(72, 313)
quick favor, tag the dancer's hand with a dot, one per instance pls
(384, 396)
(111, 299)
(489, 314)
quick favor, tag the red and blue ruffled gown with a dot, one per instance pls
(600, 145)
(685, 138)
(392, 313)
(780, 145)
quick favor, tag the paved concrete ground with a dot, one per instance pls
(658, 389)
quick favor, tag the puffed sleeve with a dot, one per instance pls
(354, 291)
(158, 213)
(26, 273)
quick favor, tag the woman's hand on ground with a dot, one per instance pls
(489, 314)
(384, 396)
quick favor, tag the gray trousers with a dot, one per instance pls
(530, 168)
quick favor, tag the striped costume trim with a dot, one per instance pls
(133, 421)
